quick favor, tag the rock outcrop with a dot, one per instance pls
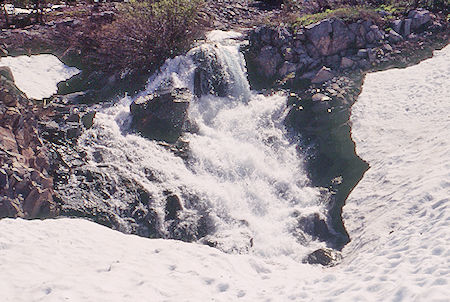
(320, 50)
(161, 115)
(26, 188)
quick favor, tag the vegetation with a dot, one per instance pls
(144, 33)
(347, 14)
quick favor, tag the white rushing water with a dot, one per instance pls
(398, 216)
(242, 169)
(38, 75)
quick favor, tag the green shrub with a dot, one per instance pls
(347, 14)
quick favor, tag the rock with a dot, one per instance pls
(323, 75)
(3, 52)
(268, 61)
(342, 37)
(319, 35)
(287, 68)
(319, 97)
(360, 34)
(362, 53)
(397, 26)
(420, 17)
(287, 52)
(173, 206)
(161, 115)
(374, 35)
(387, 47)
(281, 36)
(88, 119)
(346, 63)
(364, 64)
(7, 73)
(211, 76)
(407, 28)
(325, 257)
(394, 37)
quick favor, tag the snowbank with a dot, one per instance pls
(38, 75)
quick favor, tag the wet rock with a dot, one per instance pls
(323, 75)
(161, 115)
(173, 206)
(210, 76)
(325, 257)
(88, 119)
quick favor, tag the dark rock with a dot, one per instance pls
(394, 37)
(420, 17)
(346, 63)
(319, 35)
(281, 36)
(325, 257)
(407, 28)
(173, 206)
(268, 61)
(211, 76)
(287, 68)
(161, 115)
(7, 73)
(323, 75)
(342, 39)
(397, 26)
(88, 119)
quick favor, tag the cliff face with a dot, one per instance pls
(26, 188)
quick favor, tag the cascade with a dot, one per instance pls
(240, 186)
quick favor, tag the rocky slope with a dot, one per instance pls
(26, 187)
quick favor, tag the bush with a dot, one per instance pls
(145, 33)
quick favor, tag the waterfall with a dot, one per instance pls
(241, 186)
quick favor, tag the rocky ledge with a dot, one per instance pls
(319, 51)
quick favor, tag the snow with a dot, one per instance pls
(38, 75)
(397, 217)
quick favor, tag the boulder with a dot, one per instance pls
(161, 115)
(420, 17)
(394, 37)
(342, 37)
(287, 68)
(346, 63)
(268, 61)
(211, 76)
(407, 28)
(324, 256)
(319, 35)
(323, 75)
(397, 25)
(7, 73)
